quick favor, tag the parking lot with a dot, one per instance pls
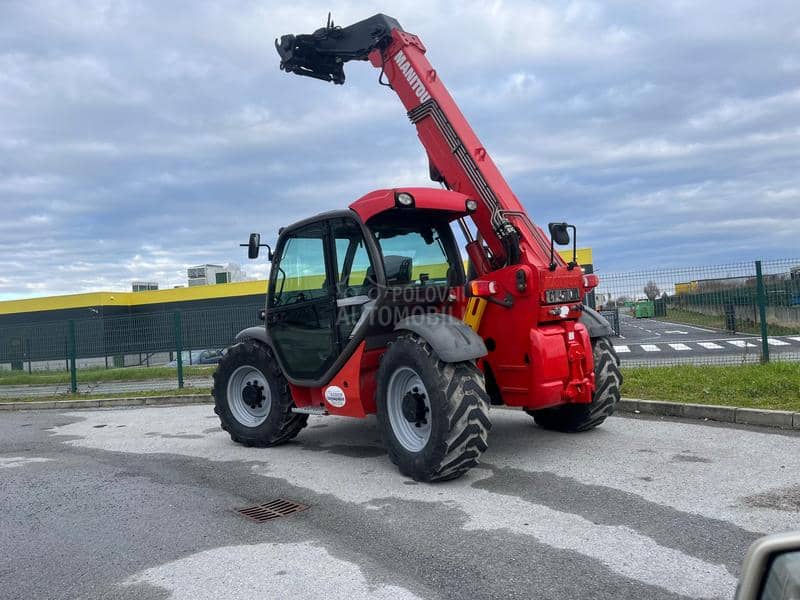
(140, 503)
(653, 341)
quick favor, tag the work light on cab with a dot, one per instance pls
(405, 200)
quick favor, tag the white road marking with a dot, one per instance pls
(796, 339)
(741, 344)
(710, 345)
(309, 569)
(9, 462)
(776, 342)
(690, 326)
(679, 346)
(621, 349)
(650, 348)
(677, 331)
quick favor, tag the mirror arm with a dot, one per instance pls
(267, 246)
(552, 257)
(574, 262)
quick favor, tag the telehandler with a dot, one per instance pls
(369, 308)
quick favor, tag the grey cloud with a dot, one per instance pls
(140, 137)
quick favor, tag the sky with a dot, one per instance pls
(139, 138)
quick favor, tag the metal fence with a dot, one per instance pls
(120, 353)
(715, 314)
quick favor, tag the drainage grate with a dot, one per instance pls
(271, 510)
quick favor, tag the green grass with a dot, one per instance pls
(689, 317)
(131, 394)
(773, 386)
(97, 375)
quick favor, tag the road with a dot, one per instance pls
(139, 503)
(651, 340)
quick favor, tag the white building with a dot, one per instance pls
(144, 286)
(212, 274)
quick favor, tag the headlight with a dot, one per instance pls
(561, 296)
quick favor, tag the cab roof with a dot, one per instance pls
(424, 199)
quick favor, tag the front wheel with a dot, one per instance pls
(433, 415)
(572, 418)
(252, 398)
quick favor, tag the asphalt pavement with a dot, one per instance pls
(656, 340)
(140, 503)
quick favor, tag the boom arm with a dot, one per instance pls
(456, 156)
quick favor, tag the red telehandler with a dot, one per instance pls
(370, 310)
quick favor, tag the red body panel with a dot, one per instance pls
(356, 381)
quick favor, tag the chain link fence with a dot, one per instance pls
(717, 314)
(119, 354)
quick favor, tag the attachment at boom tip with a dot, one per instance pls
(322, 54)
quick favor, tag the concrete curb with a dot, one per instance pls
(726, 414)
(109, 402)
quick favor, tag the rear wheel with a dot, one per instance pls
(573, 418)
(433, 415)
(252, 398)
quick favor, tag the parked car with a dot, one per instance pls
(199, 357)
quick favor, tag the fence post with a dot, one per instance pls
(179, 346)
(762, 313)
(73, 376)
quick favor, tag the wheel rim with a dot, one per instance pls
(249, 396)
(409, 409)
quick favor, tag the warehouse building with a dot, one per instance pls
(125, 328)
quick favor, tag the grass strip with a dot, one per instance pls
(772, 386)
(98, 375)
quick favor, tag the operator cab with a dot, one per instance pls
(348, 276)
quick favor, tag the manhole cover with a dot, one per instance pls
(271, 510)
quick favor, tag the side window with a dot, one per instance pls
(352, 259)
(300, 274)
(355, 275)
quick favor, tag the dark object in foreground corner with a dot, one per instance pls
(771, 569)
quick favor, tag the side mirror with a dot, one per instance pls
(559, 233)
(771, 569)
(253, 245)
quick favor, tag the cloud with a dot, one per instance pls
(140, 138)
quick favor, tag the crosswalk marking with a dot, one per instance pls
(741, 344)
(710, 345)
(698, 345)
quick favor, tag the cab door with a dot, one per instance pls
(301, 309)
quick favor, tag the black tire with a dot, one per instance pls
(280, 424)
(573, 418)
(459, 412)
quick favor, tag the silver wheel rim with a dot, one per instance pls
(247, 385)
(413, 436)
